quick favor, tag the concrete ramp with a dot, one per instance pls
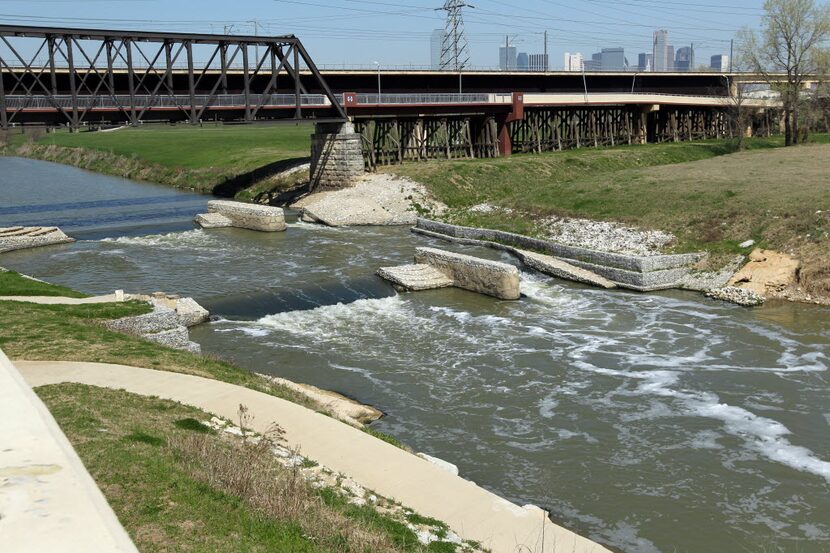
(48, 501)
(20, 238)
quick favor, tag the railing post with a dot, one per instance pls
(73, 86)
(128, 44)
(4, 118)
(191, 83)
(299, 111)
(246, 80)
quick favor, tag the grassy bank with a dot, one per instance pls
(176, 485)
(226, 160)
(710, 197)
(76, 333)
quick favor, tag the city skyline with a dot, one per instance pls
(365, 31)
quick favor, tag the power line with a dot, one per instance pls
(455, 50)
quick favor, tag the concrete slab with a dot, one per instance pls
(416, 277)
(20, 238)
(492, 278)
(551, 266)
(48, 501)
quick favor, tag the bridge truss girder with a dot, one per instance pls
(91, 59)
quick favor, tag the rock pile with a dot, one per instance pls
(168, 323)
(379, 200)
(739, 296)
(605, 236)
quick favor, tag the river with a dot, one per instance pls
(651, 423)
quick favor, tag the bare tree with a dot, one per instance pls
(792, 33)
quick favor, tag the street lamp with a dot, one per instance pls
(378, 65)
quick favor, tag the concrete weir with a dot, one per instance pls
(224, 213)
(441, 269)
(640, 273)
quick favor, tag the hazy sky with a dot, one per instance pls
(356, 32)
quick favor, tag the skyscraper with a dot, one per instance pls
(507, 58)
(436, 43)
(522, 61)
(613, 59)
(663, 53)
(645, 62)
(573, 62)
(684, 60)
(720, 63)
(538, 62)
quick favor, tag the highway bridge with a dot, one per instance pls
(82, 78)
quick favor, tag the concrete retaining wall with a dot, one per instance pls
(471, 273)
(641, 273)
(336, 156)
(48, 501)
(250, 216)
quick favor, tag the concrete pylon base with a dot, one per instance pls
(336, 155)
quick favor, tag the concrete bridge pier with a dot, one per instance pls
(336, 155)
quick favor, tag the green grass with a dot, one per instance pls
(123, 441)
(710, 199)
(13, 284)
(75, 333)
(146, 456)
(240, 148)
(241, 161)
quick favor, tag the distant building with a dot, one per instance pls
(663, 52)
(645, 62)
(609, 59)
(522, 61)
(721, 62)
(507, 58)
(539, 62)
(684, 59)
(613, 59)
(436, 44)
(573, 62)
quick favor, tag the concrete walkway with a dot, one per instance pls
(48, 501)
(60, 300)
(472, 512)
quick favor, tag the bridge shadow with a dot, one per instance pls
(229, 188)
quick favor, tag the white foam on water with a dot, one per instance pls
(194, 239)
(249, 331)
(338, 322)
(762, 435)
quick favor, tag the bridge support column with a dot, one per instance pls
(504, 138)
(336, 155)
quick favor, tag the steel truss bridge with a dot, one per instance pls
(81, 78)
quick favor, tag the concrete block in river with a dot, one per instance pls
(472, 273)
(248, 216)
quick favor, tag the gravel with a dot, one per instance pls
(605, 236)
(740, 296)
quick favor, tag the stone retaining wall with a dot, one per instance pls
(641, 273)
(471, 273)
(336, 156)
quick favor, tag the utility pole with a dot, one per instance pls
(455, 50)
(255, 23)
(731, 54)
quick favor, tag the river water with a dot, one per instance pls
(662, 422)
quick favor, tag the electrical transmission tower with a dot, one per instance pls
(455, 50)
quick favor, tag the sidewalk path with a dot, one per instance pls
(472, 512)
